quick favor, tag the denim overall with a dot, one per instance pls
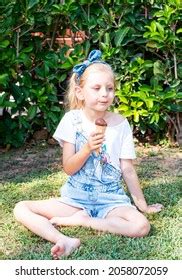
(96, 187)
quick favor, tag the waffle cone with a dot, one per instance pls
(99, 129)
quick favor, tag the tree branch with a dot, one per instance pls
(175, 66)
(54, 33)
(173, 122)
(17, 42)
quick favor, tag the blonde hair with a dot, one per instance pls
(72, 101)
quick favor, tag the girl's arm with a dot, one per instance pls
(131, 179)
(73, 162)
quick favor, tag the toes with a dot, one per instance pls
(54, 222)
(57, 251)
(55, 225)
(55, 257)
(64, 248)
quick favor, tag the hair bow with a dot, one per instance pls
(94, 56)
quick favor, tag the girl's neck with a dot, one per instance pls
(93, 115)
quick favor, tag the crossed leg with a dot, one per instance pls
(122, 220)
(35, 215)
(39, 217)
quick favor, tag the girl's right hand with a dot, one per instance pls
(95, 141)
(154, 208)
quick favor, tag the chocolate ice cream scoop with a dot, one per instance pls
(100, 122)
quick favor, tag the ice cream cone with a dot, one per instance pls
(100, 127)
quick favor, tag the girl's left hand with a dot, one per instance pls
(154, 208)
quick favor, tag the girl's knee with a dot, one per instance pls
(142, 228)
(19, 209)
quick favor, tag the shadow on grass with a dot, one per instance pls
(20, 164)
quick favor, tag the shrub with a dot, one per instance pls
(141, 40)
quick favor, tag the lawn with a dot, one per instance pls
(34, 172)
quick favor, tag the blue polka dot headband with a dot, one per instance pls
(94, 57)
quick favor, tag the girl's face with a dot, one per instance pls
(98, 91)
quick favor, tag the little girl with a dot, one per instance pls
(93, 195)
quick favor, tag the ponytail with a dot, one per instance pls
(72, 101)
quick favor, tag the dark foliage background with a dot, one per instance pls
(140, 39)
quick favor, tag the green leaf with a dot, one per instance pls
(52, 116)
(152, 120)
(148, 64)
(2, 99)
(120, 35)
(128, 113)
(131, 18)
(55, 109)
(139, 104)
(160, 28)
(140, 94)
(32, 3)
(174, 107)
(151, 44)
(157, 38)
(134, 104)
(179, 95)
(123, 107)
(62, 78)
(144, 113)
(27, 50)
(123, 99)
(158, 68)
(136, 116)
(159, 13)
(179, 31)
(46, 69)
(70, 60)
(4, 44)
(149, 102)
(32, 111)
(145, 88)
(4, 79)
(58, 8)
(107, 38)
(67, 65)
(170, 94)
(175, 83)
(157, 116)
(10, 104)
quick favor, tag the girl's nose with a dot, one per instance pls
(104, 92)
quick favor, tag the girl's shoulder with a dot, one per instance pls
(114, 119)
(72, 114)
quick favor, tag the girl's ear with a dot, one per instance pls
(79, 93)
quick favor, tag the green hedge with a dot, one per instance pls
(140, 39)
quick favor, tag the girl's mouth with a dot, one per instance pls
(103, 102)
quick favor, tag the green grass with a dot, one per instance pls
(34, 174)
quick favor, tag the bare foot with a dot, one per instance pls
(78, 219)
(64, 247)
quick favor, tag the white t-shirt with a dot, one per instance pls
(118, 138)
